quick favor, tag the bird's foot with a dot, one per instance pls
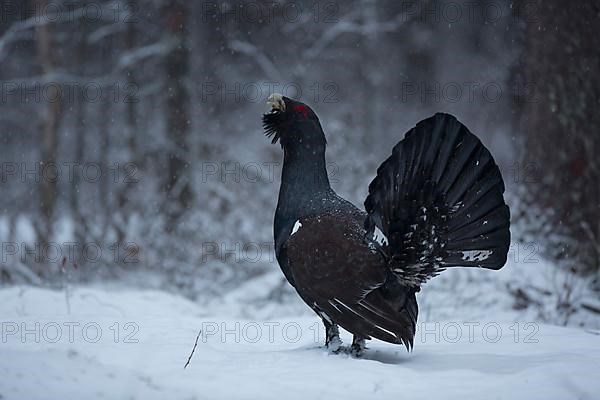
(334, 344)
(332, 341)
(358, 347)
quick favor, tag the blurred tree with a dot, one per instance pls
(80, 131)
(178, 187)
(50, 129)
(559, 120)
(130, 41)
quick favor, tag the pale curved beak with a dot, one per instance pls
(276, 102)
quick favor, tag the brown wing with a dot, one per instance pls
(343, 278)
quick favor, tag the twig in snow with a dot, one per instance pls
(193, 349)
(590, 308)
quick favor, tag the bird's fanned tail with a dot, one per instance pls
(437, 202)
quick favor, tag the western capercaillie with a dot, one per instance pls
(436, 202)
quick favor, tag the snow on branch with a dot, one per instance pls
(12, 33)
(351, 24)
(259, 57)
(155, 49)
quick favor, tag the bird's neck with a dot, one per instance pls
(303, 179)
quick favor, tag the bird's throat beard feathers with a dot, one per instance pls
(273, 124)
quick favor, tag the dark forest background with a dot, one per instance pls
(131, 140)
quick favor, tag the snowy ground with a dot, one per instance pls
(134, 344)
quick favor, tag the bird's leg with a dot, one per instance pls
(332, 337)
(358, 346)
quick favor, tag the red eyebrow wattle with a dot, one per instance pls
(301, 109)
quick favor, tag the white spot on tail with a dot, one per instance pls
(325, 317)
(333, 304)
(476, 255)
(297, 226)
(379, 237)
(456, 207)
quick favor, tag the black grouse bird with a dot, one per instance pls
(436, 202)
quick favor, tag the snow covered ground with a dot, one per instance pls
(134, 344)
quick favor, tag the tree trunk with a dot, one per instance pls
(50, 128)
(126, 186)
(79, 151)
(178, 188)
(131, 116)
